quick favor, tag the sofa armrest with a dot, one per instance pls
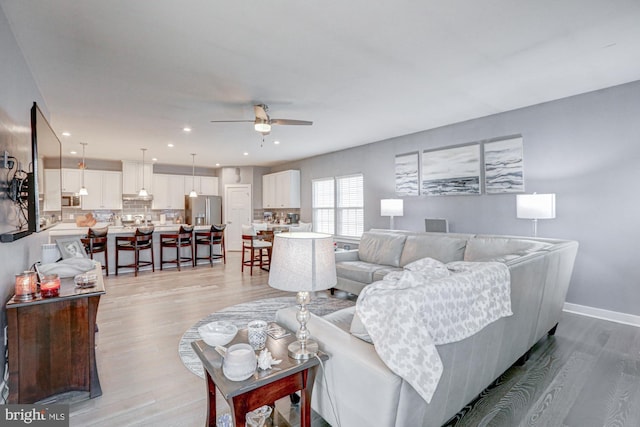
(350, 255)
(352, 372)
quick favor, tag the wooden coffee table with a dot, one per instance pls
(264, 387)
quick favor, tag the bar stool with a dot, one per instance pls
(183, 239)
(95, 242)
(140, 241)
(257, 247)
(211, 238)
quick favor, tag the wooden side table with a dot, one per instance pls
(264, 387)
(52, 343)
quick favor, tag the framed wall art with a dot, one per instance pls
(451, 171)
(504, 166)
(407, 175)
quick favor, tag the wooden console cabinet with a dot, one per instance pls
(51, 343)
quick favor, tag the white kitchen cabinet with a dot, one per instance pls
(281, 190)
(169, 191)
(51, 182)
(135, 175)
(105, 190)
(203, 185)
(71, 180)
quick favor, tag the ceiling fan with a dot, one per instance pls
(262, 123)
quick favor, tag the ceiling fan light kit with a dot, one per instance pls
(262, 126)
(262, 122)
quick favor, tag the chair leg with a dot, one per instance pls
(193, 255)
(178, 256)
(117, 262)
(161, 256)
(106, 260)
(153, 261)
(136, 260)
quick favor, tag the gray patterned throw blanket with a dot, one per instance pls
(427, 304)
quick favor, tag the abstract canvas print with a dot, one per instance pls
(451, 171)
(407, 178)
(504, 166)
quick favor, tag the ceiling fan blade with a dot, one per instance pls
(231, 121)
(261, 112)
(290, 122)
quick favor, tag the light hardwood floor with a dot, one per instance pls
(587, 375)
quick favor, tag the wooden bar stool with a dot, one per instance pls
(183, 239)
(211, 238)
(95, 242)
(142, 240)
(258, 249)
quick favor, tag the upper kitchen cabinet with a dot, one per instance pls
(105, 190)
(135, 175)
(281, 190)
(71, 180)
(203, 185)
(169, 191)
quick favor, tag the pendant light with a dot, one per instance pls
(193, 177)
(143, 192)
(83, 190)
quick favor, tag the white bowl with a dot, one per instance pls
(217, 333)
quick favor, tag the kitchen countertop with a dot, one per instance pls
(71, 229)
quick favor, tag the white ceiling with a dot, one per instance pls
(126, 74)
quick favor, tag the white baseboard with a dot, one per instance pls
(599, 313)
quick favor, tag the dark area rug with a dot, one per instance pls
(241, 314)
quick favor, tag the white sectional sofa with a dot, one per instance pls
(365, 392)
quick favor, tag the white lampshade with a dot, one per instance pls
(83, 191)
(302, 262)
(391, 207)
(143, 193)
(536, 206)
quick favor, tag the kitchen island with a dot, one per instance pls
(68, 230)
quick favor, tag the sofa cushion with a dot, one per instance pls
(358, 330)
(341, 318)
(358, 271)
(443, 248)
(494, 248)
(381, 248)
(379, 274)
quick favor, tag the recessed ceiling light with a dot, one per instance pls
(186, 129)
(217, 164)
(170, 145)
(245, 154)
(66, 134)
(73, 152)
(276, 142)
(155, 159)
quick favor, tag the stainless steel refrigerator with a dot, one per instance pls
(203, 210)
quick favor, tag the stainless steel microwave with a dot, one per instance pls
(70, 201)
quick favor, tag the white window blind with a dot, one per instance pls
(338, 205)
(350, 204)
(323, 205)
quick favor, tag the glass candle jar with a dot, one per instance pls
(26, 286)
(50, 286)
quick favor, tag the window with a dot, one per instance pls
(338, 205)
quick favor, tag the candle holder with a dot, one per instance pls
(26, 286)
(50, 286)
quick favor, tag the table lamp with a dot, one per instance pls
(302, 262)
(391, 208)
(536, 206)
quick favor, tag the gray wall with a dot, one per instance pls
(586, 149)
(18, 91)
